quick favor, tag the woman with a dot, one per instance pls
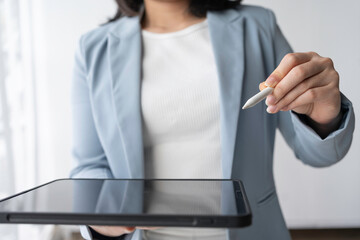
(157, 93)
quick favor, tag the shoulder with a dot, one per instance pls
(97, 36)
(255, 15)
(92, 45)
(96, 40)
(253, 11)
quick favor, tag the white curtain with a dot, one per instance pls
(21, 91)
(37, 44)
(17, 105)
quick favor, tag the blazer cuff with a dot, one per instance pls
(329, 150)
(86, 233)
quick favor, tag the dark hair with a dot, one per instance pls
(197, 7)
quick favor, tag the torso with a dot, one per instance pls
(181, 115)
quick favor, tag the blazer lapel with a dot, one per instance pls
(125, 66)
(226, 33)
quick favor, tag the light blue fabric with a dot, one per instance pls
(248, 46)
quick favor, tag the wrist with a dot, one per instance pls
(324, 129)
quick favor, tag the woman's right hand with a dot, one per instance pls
(116, 231)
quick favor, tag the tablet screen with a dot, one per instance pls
(112, 196)
(136, 202)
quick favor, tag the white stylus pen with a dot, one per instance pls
(258, 97)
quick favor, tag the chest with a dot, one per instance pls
(179, 85)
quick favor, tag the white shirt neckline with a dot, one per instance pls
(179, 33)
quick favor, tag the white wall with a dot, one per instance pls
(58, 26)
(309, 197)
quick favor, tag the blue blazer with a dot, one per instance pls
(248, 45)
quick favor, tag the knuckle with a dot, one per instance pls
(335, 83)
(288, 56)
(333, 77)
(300, 72)
(312, 93)
(292, 58)
(328, 62)
(336, 76)
(314, 54)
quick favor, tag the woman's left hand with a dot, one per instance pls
(307, 84)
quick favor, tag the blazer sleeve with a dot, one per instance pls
(307, 145)
(88, 154)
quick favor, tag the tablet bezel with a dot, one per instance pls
(213, 221)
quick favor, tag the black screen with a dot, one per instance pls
(115, 196)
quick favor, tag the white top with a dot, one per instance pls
(180, 105)
(181, 114)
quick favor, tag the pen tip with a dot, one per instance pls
(247, 105)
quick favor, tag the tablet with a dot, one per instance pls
(131, 202)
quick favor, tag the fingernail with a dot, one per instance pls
(271, 81)
(271, 109)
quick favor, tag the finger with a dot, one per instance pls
(313, 82)
(296, 77)
(148, 228)
(262, 86)
(287, 63)
(113, 230)
(308, 97)
(129, 229)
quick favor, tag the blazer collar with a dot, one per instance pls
(125, 49)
